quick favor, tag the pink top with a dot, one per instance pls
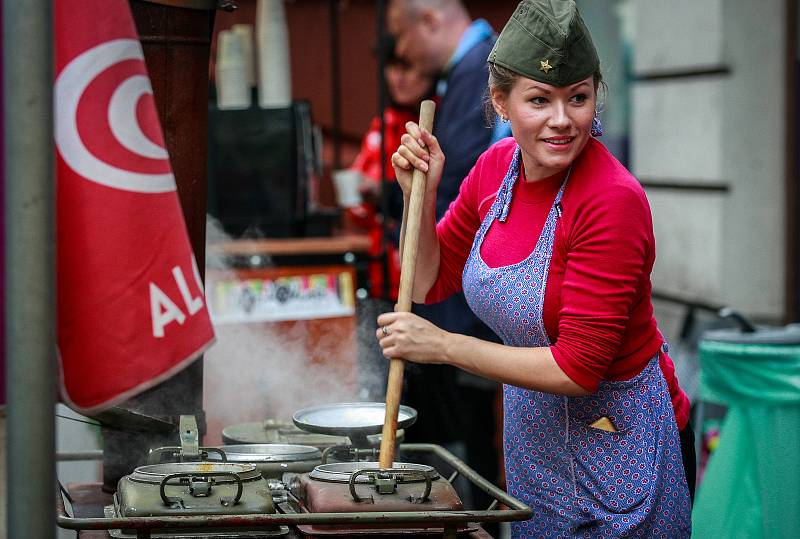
(597, 309)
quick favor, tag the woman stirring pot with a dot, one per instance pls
(551, 239)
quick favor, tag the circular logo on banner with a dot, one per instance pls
(122, 118)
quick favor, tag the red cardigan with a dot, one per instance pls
(597, 310)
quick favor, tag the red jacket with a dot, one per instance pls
(368, 162)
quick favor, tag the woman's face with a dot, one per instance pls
(551, 124)
(407, 86)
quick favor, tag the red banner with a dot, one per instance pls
(131, 308)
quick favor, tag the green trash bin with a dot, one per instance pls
(751, 485)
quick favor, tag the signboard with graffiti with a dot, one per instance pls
(271, 295)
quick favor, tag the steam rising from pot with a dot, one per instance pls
(269, 370)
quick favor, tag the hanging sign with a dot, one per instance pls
(131, 307)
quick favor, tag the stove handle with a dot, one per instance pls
(332, 449)
(353, 453)
(204, 451)
(177, 500)
(353, 476)
(428, 485)
(155, 455)
(426, 474)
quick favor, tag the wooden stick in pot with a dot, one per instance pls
(411, 216)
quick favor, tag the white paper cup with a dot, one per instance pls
(345, 183)
(245, 34)
(233, 87)
(272, 52)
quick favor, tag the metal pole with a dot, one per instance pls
(29, 274)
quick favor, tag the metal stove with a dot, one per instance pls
(335, 493)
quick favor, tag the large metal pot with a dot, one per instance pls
(192, 488)
(364, 487)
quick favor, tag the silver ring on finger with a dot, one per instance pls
(385, 331)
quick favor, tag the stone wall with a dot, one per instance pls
(708, 134)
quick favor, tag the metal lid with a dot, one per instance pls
(786, 335)
(268, 453)
(340, 472)
(350, 418)
(155, 473)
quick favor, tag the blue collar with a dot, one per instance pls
(475, 33)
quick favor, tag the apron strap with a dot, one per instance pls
(506, 192)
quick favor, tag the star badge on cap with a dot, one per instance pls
(544, 65)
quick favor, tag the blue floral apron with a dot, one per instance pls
(581, 481)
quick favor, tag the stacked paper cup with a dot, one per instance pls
(245, 33)
(232, 68)
(272, 42)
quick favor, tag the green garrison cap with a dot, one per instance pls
(547, 41)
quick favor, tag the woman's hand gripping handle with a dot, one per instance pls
(419, 151)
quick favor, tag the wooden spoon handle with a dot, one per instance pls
(394, 384)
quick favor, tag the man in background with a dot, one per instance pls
(439, 37)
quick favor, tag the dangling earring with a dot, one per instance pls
(504, 119)
(597, 127)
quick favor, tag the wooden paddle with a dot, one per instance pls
(412, 216)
